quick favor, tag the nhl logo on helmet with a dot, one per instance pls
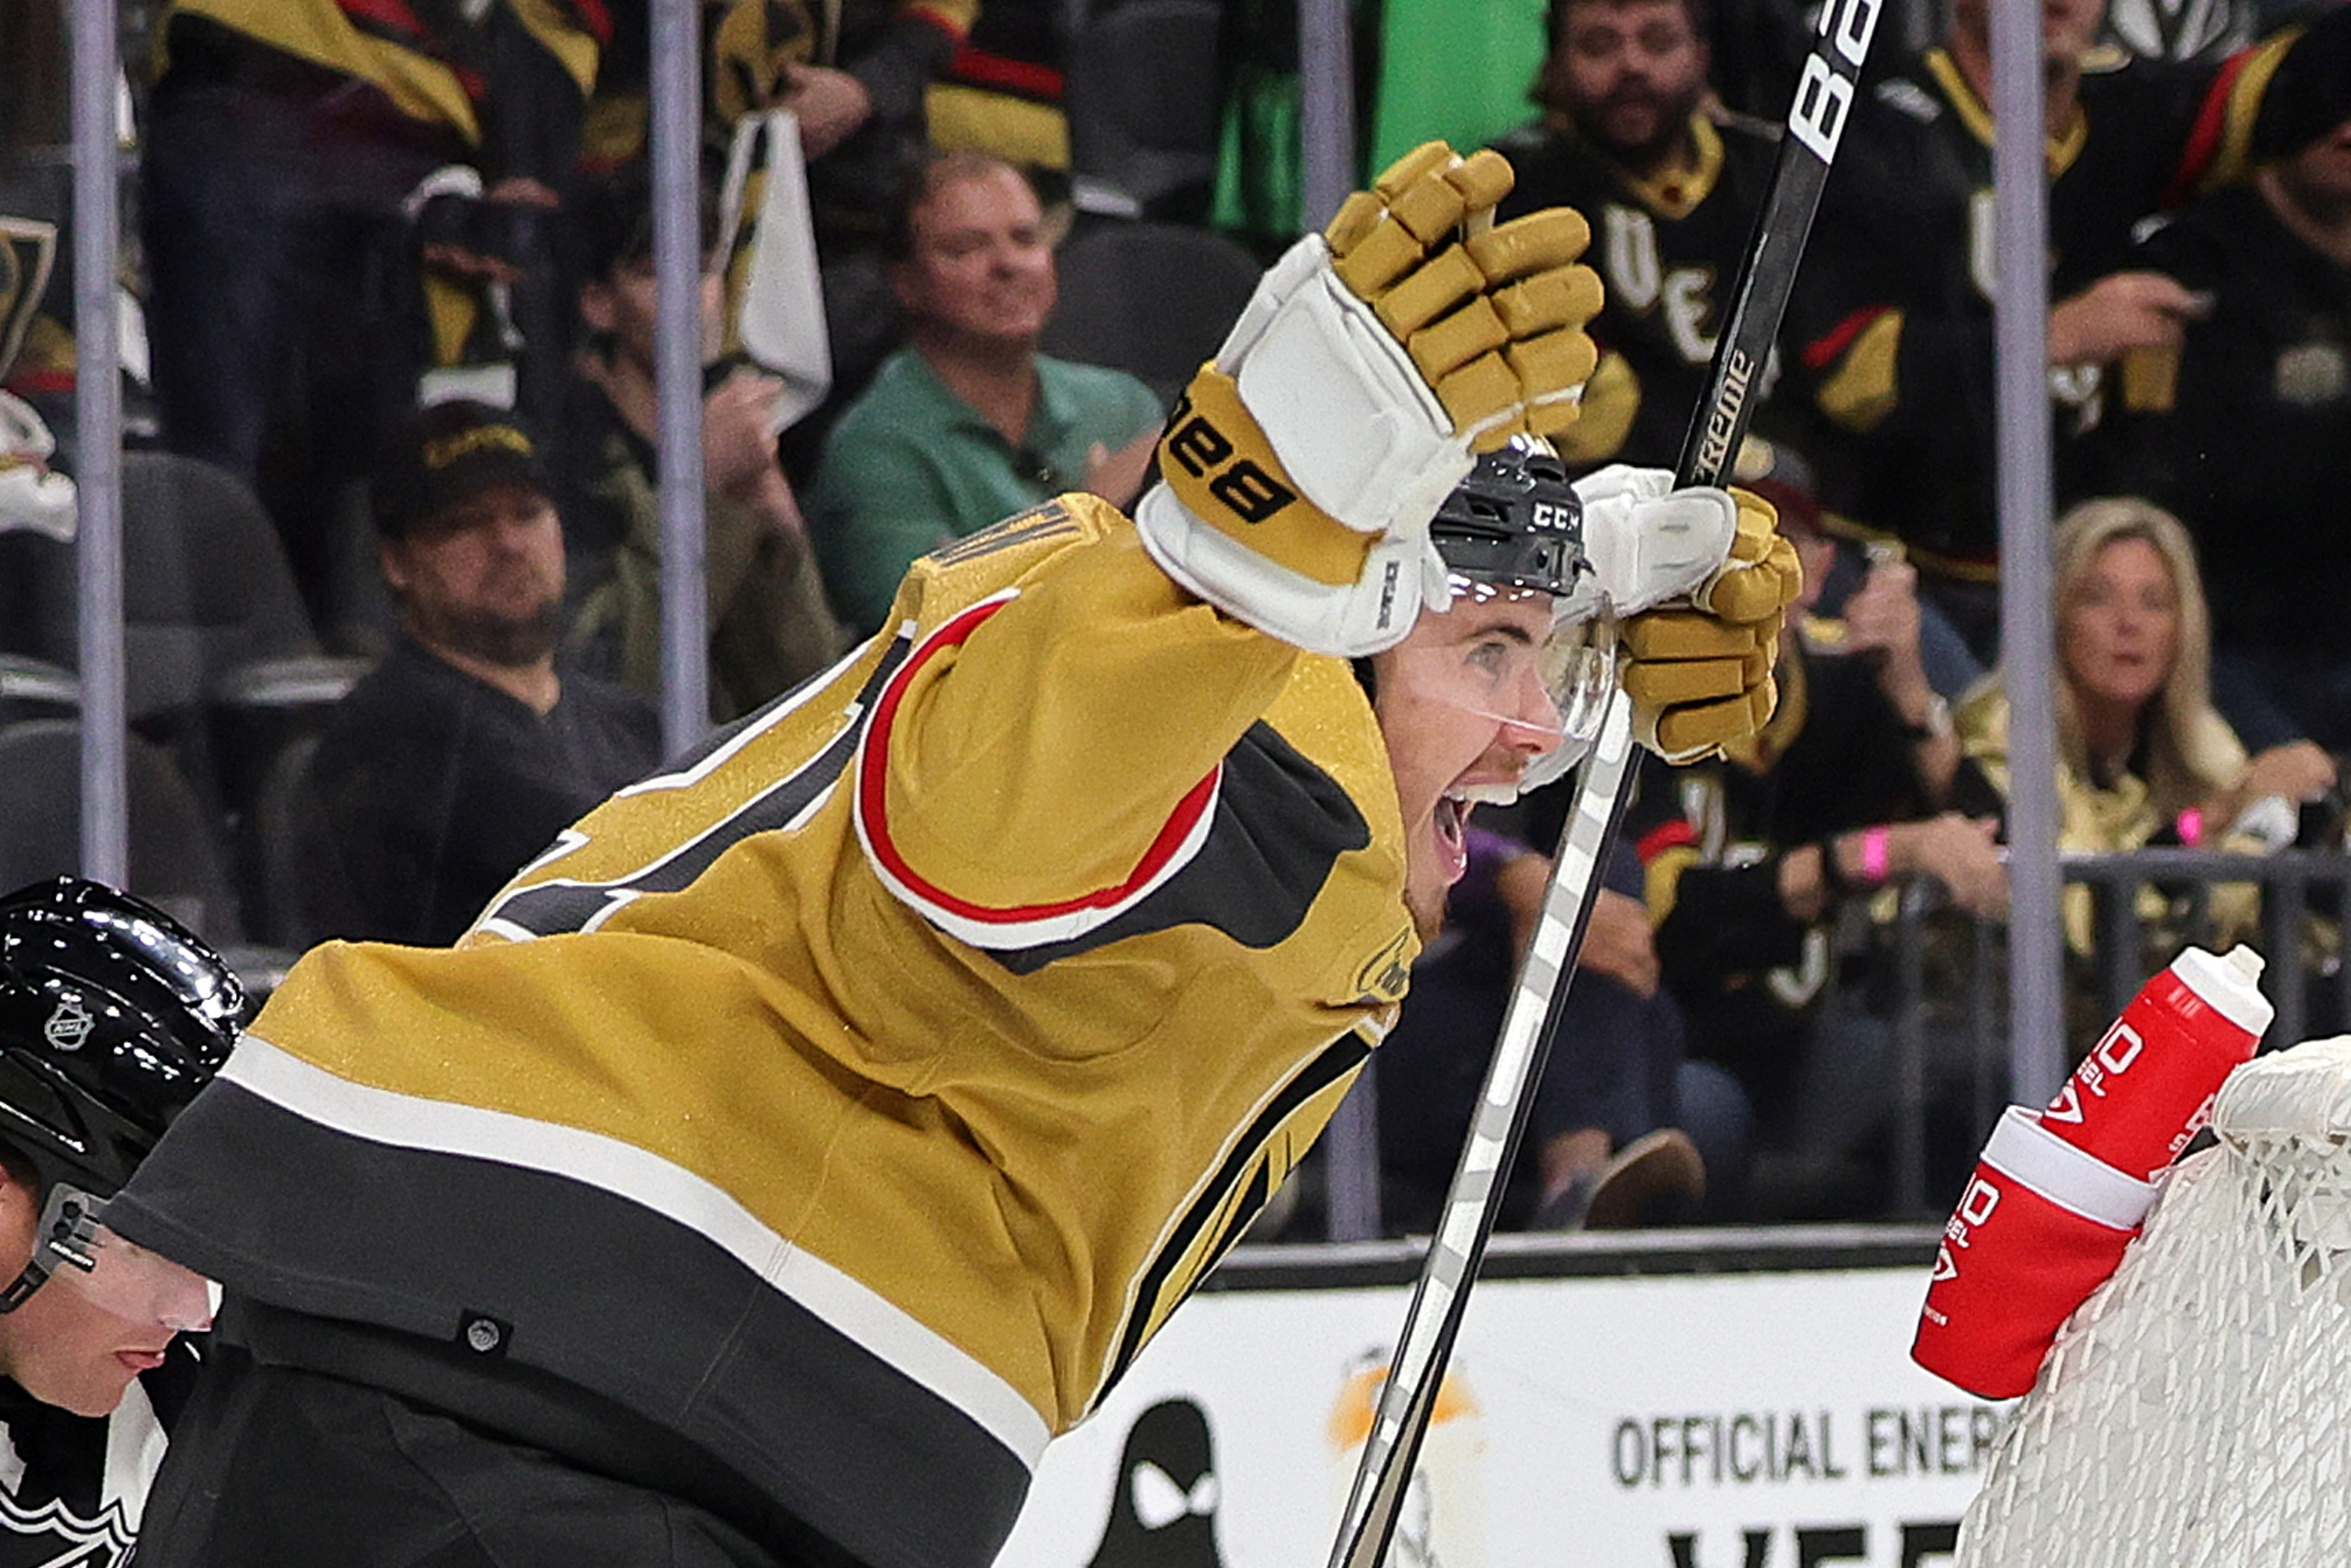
(68, 1026)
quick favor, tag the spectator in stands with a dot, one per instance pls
(969, 423)
(465, 753)
(298, 154)
(1002, 91)
(2242, 434)
(2160, 30)
(2142, 758)
(857, 76)
(1893, 306)
(1606, 1146)
(1632, 138)
(37, 345)
(1749, 861)
(1671, 188)
(33, 496)
(769, 625)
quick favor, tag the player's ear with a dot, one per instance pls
(20, 1212)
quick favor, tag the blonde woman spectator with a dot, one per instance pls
(2142, 757)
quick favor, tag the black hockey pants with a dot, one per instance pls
(271, 1467)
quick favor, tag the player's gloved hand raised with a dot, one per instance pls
(1699, 668)
(1303, 466)
(1492, 316)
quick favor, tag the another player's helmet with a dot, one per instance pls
(113, 1015)
(1514, 522)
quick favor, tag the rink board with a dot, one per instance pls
(1726, 1406)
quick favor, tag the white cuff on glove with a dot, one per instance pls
(1649, 541)
(1361, 619)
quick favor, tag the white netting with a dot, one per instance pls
(2197, 1409)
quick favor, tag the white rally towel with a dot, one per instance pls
(774, 300)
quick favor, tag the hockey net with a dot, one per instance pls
(2197, 1408)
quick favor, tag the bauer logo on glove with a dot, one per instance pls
(1235, 483)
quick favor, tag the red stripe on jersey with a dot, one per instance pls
(872, 781)
(980, 68)
(391, 14)
(1671, 835)
(939, 19)
(595, 18)
(1822, 351)
(2212, 127)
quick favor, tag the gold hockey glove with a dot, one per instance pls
(1699, 669)
(1301, 469)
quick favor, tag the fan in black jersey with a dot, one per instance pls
(1893, 311)
(1671, 188)
(2242, 433)
(111, 1018)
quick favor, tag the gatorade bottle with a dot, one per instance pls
(2039, 1226)
(2056, 1197)
(2146, 1087)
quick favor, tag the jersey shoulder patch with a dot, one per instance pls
(963, 572)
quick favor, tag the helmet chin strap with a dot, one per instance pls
(68, 1233)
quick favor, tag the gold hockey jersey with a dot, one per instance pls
(854, 1100)
(418, 55)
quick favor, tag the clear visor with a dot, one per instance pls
(1547, 695)
(86, 1258)
(1580, 675)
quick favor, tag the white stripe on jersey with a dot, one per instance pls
(403, 1120)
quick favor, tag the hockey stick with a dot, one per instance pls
(1816, 120)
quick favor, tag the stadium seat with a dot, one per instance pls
(1151, 298)
(1140, 94)
(205, 587)
(177, 859)
(295, 895)
(34, 688)
(36, 596)
(220, 657)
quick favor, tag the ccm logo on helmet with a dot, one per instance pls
(1252, 494)
(68, 1026)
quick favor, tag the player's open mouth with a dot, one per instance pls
(1451, 818)
(139, 1360)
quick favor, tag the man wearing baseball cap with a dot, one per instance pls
(461, 755)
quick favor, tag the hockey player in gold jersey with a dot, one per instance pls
(823, 1124)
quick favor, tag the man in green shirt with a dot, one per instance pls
(968, 423)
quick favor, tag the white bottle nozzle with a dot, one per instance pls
(2230, 984)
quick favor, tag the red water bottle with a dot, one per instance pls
(2039, 1226)
(2146, 1087)
(2058, 1195)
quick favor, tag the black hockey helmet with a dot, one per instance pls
(113, 1015)
(1514, 522)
